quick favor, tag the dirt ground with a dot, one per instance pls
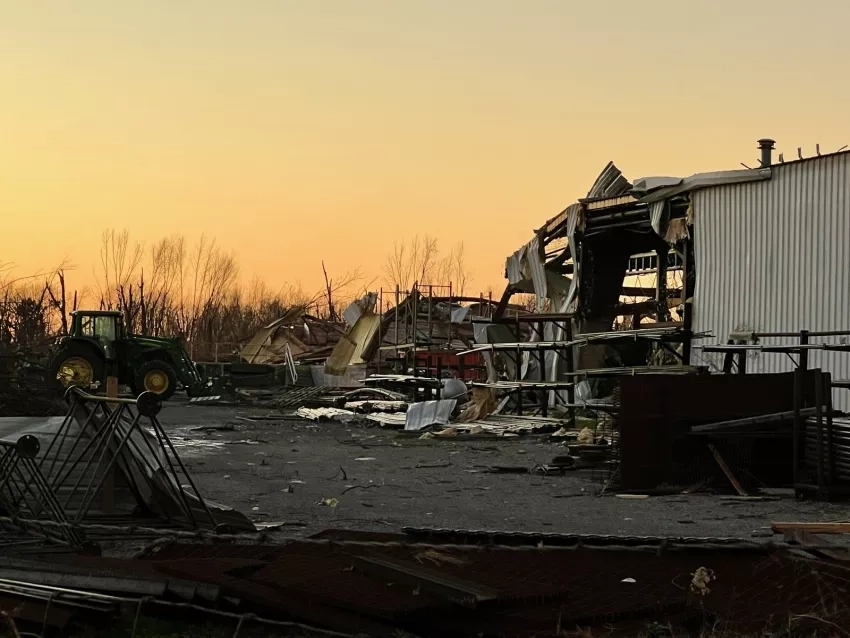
(283, 469)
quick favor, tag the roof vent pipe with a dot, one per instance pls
(766, 145)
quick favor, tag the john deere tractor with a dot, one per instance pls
(98, 347)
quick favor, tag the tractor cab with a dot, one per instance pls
(104, 327)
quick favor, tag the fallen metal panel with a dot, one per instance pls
(421, 415)
(357, 307)
(349, 350)
(501, 424)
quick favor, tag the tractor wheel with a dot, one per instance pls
(75, 364)
(158, 377)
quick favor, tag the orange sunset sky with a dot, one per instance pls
(295, 131)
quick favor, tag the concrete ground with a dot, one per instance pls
(287, 468)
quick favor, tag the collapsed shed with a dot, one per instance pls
(751, 250)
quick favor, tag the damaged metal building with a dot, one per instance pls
(737, 252)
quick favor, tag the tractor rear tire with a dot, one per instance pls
(158, 377)
(75, 364)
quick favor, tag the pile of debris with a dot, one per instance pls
(449, 416)
(306, 337)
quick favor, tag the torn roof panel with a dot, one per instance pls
(696, 182)
(570, 211)
(610, 183)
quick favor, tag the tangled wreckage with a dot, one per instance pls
(668, 336)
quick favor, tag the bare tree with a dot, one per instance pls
(337, 293)
(452, 269)
(59, 300)
(119, 264)
(419, 261)
(412, 262)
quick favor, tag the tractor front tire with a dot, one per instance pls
(75, 364)
(158, 377)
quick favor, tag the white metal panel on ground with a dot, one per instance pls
(774, 256)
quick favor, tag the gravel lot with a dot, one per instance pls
(282, 470)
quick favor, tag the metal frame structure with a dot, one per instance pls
(405, 320)
(664, 336)
(110, 424)
(606, 237)
(24, 492)
(541, 387)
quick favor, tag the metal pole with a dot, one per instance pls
(415, 320)
(380, 326)
(163, 438)
(519, 378)
(798, 404)
(570, 364)
(819, 426)
(396, 317)
(661, 286)
(830, 449)
(686, 313)
(451, 327)
(430, 304)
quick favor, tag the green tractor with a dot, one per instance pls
(98, 346)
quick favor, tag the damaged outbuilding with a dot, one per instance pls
(719, 250)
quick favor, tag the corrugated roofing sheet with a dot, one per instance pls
(425, 413)
(350, 349)
(706, 180)
(610, 183)
(774, 256)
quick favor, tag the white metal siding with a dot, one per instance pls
(774, 256)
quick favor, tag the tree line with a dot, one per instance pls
(193, 290)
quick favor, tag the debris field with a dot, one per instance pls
(384, 480)
(609, 456)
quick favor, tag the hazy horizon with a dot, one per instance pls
(296, 132)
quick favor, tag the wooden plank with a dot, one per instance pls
(813, 528)
(734, 481)
(816, 544)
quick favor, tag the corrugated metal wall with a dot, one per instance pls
(774, 256)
